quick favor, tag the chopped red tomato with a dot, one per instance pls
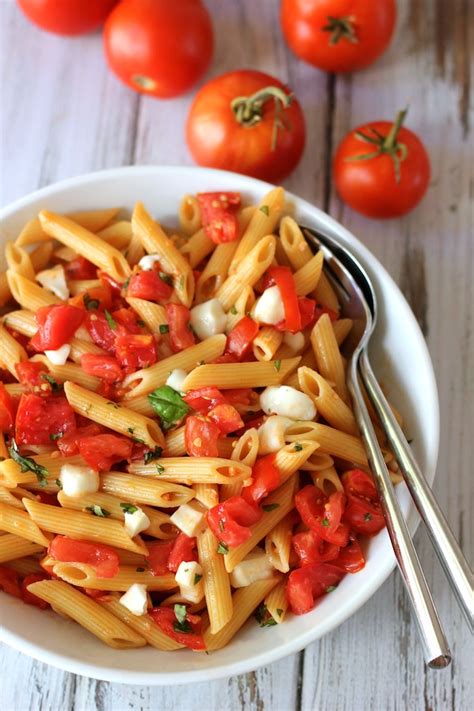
(230, 520)
(204, 399)
(159, 553)
(181, 335)
(149, 285)
(7, 410)
(283, 278)
(103, 450)
(307, 309)
(266, 478)
(323, 514)
(240, 339)
(226, 418)
(200, 436)
(46, 498)
(56, 326)
(100, 331)
(184, 549)
(307, 584)
(350, 558)
(98, 297)
(363, 512)
(68, 444)
(102, 366)
(219, 215)
(41, 420)
(311, 548)
(239, 396)
(103, 559)
(29, 597)
(135, 351)
(30, 376)
(128, 319)
(9, 581)
(115, 286)
(187, 632)
(80, 268)
(226, 358)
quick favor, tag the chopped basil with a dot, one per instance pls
(129, 508)
(153, 454)
(197, 578)
(27, 464)
(98, 511)
(140, 570)
(166, 278)
(331, 588)
(114, 404)
(169, 405)
(140, 322)
(325, 522)
(59, 483)
(298, 447)
(90, 303)
(164, 328)
(367, 516)
(222, 548)
(112, 323)
(233, 310)
(130, 431)
(279, 612)
(270, 507)
(159, 468)
(263, 617)
(181, 624)
(181, 282)
(264, 209)
(277, 364)
(127, 281)
(54, 437)
(55, 387)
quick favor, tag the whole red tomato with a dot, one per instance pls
(382, 169)
(159, 47)
(248, 122)
(338, 35)
(67, 17)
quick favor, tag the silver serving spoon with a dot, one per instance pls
(359, 303)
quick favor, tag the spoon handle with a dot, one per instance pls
(447, 548)
(435, 646)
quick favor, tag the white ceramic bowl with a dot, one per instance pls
(402, 361)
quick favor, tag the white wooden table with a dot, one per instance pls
(65, 114)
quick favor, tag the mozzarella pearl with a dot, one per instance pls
(269, 308)
(78, 481)
(208, 319)
(135, 599)
(176, 379)
(288, 402)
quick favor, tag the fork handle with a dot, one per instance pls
(447, 548)
(435, 646)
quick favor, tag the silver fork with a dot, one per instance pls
(359, 303)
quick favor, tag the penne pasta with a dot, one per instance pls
(248, 375)
(266, 343)
(189, 214)
(216, 582)
(13, 547)
(278, 544)
(327, 401)
(250, 269)
(194, 470)
(328, 357)
(143, 625)
(145, 490)
(294, 244)
(84, 576)
(308, 276)
(93, 220)
(11, 352)
(20, 524)
(276, 602)
(331, 441)
(19, 261)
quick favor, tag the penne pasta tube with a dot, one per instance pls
(26, 566)
(83, 526)
(215, 272)
(143, 625)
(11, 352)
(115, 416)
(13, 475)
(88, 613)
(342, 327)
(216, 582)
(247, 375)
(22, 321)
(13, 497)
(193, 470)
(293, 456)
(278, 504)
(154, 315)
(85, 243)
(189, 214)
(84, 576)
(278, 544)
(145, 490)
(206, 494)
(327, 401)
(266, 343)
(197, 247)
(244, 601)
(331, 441)
(293, 242)
(276, 602)
(249, 271)
(317, 462)
(41, 255)
(242, 306)
(246, 452)
(117, 234)
(79, 286)
(28, 294)
(307, 276)
(93, 220)
(325, 294)
(327, 480)
(13, 547)
(19, 261)
(135, 250)
(68, 371)
(328, 356)
(20, 524)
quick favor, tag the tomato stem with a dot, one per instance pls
(388, 145)
(341, 27)
(248, 110)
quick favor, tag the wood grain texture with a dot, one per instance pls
(64, 114)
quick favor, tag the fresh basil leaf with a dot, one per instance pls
(264, 209)
(169, 405)
(129, 508)
(298, 447)
(153, 454)
(112, 323)
(277, 364)
(164, 328)
(222, 548)
(27, 464)
(54, 437)
(270, 507)
(98, 511)
(197, 578)
(90, 303)
(331, 588)
(180, 613)
(167, 278)
(55, 387)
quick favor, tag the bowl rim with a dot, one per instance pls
(102, 672)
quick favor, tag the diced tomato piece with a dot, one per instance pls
(239, 396)
(128, 319)
(266, 478)
(311, 548)
(350, 558)
(98, 297)
(46, 498)
(102, 366)
(283, 278)
(150, 286)
(29, 375)
(307, 309)
(39, 420)
(363, 512)
(29, 597)
(166, 620)
(181, 335)
(9, 581)
(100, 331)
(184, 549)
(305, 585)
(323, 514)
(7, 410)
(204, 399)
(200, 436)
(226, 358)
(240, 339)
(56, 326)
(135, 351)
(68, 444)
(115, 286)
(103, 559)
(80, 268)
(226, 418)
(103, 450)
(219, 215)
(159, 553)
(230, 520)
